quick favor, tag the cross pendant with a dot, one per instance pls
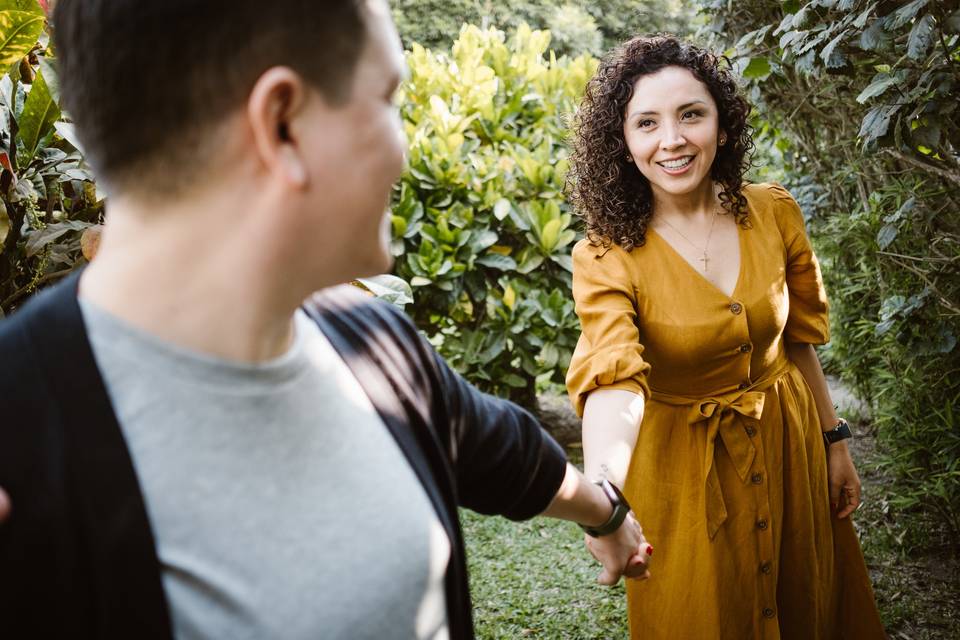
(704, 260)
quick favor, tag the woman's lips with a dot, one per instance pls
(678, 171)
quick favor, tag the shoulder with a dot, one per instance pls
(365, 323)
(589, 256)
(769, 200)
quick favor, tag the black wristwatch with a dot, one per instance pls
(838, 433)
(620, 510)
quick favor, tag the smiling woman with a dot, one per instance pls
(700, 298)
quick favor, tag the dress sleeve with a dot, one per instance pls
(609, 353)
(808, 319)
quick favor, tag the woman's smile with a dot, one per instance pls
(676, 166)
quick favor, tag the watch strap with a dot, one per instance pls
(838, 433)
(620, 510)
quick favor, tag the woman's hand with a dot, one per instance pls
(625, 552)
(843, 480)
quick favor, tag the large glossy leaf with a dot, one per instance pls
(40, 113)
(758, 68)
(921, 36)
(906, 13)
(880, 84)
(389, 288)
(876, 122)
(21, 23)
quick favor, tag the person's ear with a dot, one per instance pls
(277, 98)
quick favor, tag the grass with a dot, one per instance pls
(535, 579)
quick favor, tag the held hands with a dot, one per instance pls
(625, 552)
(843, 480)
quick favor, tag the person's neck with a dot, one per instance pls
(202, 274)
(701, 203)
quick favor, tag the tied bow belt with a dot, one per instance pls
(723, 416)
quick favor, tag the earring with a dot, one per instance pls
(628, 158)
(723, 140)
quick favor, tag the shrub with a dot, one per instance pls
(481, 229)
(862, 100)
(47, 194)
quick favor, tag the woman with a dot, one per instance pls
(700, 299)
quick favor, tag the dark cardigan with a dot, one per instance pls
(77, 557)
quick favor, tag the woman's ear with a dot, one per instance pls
(277, 98)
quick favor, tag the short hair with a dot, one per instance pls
(607, 190)
(147, 82)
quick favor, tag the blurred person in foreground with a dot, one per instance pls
(196, 442)
(700, 299)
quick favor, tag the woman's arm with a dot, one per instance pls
(611, 423)
(844, 481)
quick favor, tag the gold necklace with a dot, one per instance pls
(704, 259)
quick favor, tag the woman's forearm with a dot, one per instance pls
(805, 357)
(611, 422)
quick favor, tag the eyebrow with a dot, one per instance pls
(653, 113)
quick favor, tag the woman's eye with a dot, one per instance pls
(691, 114)
(643, 124)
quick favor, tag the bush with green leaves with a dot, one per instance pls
(861, 104)
(47, 194)
(435, 24)
(481, 228)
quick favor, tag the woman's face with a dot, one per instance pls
(671, 127)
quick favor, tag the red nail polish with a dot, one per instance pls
(649, 550)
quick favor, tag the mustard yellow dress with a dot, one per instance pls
(728, 476)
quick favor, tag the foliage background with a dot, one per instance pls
(859, 101)
(47, 195)
(578, 26)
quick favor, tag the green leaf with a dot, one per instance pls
(881, 82)
(906, 13)
(514, 380)
(39, 115)
(502, 209)
(549, 235)
(21, 23)
(874, 36)
(389, 288)
(497, 261)
(921, 37)
(876, 122)
(757, 68)
(834, 58)
(886, 235)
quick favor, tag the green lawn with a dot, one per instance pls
(535, 579)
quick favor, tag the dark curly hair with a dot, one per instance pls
(606, 190)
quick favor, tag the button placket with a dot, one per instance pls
(767, 587)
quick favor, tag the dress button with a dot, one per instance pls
(756, 478)
(743, 385)
(751, 431)
(745, 348)
(736, 308)
(768, 613)
(762, 524)
(765, 568)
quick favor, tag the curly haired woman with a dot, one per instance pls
(700, 300)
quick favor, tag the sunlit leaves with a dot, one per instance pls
(21, 23)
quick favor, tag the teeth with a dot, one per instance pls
(677, 164)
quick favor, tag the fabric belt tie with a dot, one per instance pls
(723, 416)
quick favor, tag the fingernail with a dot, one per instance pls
(649, 550)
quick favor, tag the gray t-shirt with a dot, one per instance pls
(281, 505)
